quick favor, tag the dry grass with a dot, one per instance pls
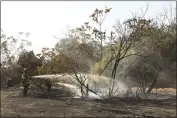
(171, 91)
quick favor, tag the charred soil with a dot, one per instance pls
(59, 104)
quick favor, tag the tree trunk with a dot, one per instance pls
(113, 77)
(82, 90)
(152, 85)
(87, 90)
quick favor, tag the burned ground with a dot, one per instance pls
(59, 103)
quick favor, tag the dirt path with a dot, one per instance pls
(13, 105)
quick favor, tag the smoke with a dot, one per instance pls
(99, 84)
(166, 79)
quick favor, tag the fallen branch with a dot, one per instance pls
(82, 84)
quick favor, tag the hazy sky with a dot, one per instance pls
(45, 19)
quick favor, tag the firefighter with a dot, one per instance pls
(25, 81)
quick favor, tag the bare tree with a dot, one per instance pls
(98, 16)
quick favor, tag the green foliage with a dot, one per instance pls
(99, 66)
(82, 53)
(11, 47)
(157, 45)
(142, 70)
(30, 61)
(69, 54)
